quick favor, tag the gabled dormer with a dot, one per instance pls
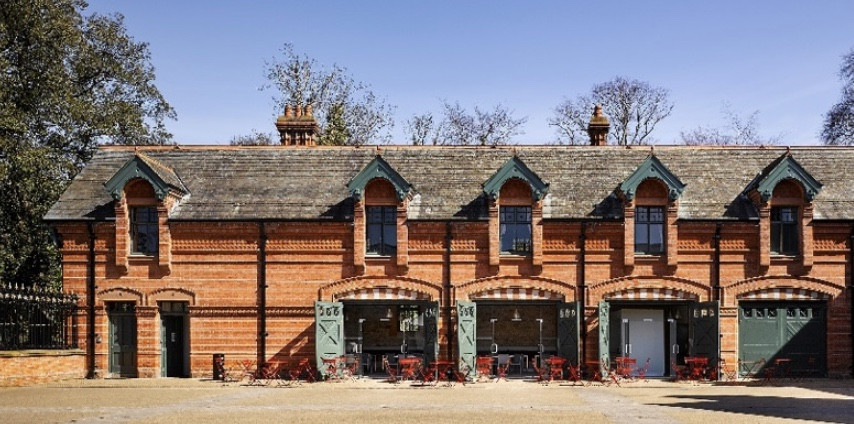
(785, 167)
(515, 168)
(144, 190)
(161, 177)
(378, 168)
(515, 194)
(652, 168)
(650, 201)
(381, 201)
(783, 193)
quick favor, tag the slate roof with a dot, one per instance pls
(297, 183)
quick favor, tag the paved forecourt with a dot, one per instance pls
(373, 401)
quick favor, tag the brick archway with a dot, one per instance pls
(516, 288)
(382, 287)
(170, 294)
(783, 287)
(120, 294)
(648, 288)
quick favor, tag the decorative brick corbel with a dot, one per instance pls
(494, 241)
(629, 236)
(359, 237)
(807, 240)
(537, 236)
(122, 242)
(402, 238)
(672, 234)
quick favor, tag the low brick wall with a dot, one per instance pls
(27, 367)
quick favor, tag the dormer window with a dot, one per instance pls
(649, 230)
(784, 231)
(143, 230)
(515, 229)
(382, 230)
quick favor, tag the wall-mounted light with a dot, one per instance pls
(516, 315)
(388, 315)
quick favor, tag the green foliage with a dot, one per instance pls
(67, 83)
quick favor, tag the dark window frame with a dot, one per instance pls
(645, 226)
(784, 231)
(144, 230)
(381, 223)
(515, 232)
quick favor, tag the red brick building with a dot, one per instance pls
(272, 253)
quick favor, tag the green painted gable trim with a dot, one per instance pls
(136, 167)
(515, 168)
(788, 168)
(378, 168)
(652, 168)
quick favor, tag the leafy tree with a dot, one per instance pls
(839, 121)
(347, 111)
(739, 131)
(458, 127)
(633, 108)
(67, 83)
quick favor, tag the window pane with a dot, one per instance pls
(790, 239)
(787, 214)
(374, 238)
(656, 238)
(389, 215)
(656, 214)
(776, 245)
(515, 229)
(642, 214)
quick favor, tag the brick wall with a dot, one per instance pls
(28, 367)
(217, 265)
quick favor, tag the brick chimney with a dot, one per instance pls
(598, 128)
(297, 127)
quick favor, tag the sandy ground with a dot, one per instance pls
(376, 401)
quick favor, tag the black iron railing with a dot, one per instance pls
(35, 318)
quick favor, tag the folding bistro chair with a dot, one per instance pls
(502, 365)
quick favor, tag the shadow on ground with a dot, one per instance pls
(820, 410)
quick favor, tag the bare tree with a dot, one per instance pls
(739, 131)
(839, 121)
(459, 127)
(423, 130)
(301, 80)
(633, 108)
(256, 138)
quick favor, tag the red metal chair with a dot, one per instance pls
(556, 368)
(483, 367)
(641, 371)
(541, 371)
(574, 373)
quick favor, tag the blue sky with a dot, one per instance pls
(780, 58)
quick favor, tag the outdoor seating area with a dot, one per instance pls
(397, 369)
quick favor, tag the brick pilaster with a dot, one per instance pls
(629, 236)
(359, 237)
(672, 231)
(537, 235)
(494, 240)
(807, 240)
(402, 238)
(122, 242)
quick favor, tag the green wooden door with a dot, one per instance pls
(329, 331)
(122, 332)
(567, 331)
(792, 330)
(467, 333)
(431, 329)
(705, 330)
(604, 332)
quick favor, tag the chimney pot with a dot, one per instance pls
(297, 127)
(598, 127)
